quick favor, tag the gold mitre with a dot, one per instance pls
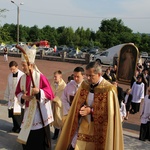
(31, 53)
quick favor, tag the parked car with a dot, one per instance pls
(94, 52)
(144, 55)
(46, 50)
(107, 57)
(50, 51)
(73, 54)
(1, 48)
(84, 49)
(60, 50)
(12, 48)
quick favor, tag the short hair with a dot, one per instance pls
(70, 78)
(139, 76)
(79, 69)
(13, 63)
(128, 89)
(58, 72)
(97, 67)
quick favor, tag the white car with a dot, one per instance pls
(12, 48)
(107, 57)
(47, 51)
(144, 55)
(2, 48)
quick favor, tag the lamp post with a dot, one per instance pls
(18, 17)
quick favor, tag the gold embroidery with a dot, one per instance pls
(100, 113)
(87, 138)
(100, 116)
(82, 97)
(31, 112)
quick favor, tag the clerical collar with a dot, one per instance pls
(138, 82)
(56, 84)
(78, 85)
(92, 86)
(15, 74)
(100, 80)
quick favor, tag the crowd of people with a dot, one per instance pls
(86, 111)
(130, 99)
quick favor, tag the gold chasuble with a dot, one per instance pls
(104, 132)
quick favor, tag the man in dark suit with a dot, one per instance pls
(145, 80)
(120, 92)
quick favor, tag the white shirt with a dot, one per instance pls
(122, 110)
(9, 94)
(145, 113)
(126, 98)
(70, 89)
(137, 92)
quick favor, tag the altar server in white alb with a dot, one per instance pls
(137, 92)
(145, 119)
(71, 89)
(35, 131)
(15, 108)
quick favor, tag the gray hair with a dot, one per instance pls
(97, 67)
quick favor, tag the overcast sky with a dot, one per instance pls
(79, 13)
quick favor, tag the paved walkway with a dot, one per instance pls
(8, 140)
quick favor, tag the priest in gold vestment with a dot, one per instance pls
(94, 117)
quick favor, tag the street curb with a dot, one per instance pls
(130, 134)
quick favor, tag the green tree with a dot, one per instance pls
(65, 36)
(34, 34)
(24, 33)
(84, 35)
(49, 34)
(145, 43)
(110, 32)
(5, 34)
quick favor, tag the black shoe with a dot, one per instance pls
(54, 137)
(56, 132)
(142, 139)
(132, 112)
(15, 130)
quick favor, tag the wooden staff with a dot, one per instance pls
(48, 143)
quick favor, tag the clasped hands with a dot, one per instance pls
(85, 110)
(29, 97)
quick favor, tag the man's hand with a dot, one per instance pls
(35, 91)
(85, 110)
(26, 97)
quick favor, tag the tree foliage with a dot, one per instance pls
(111, 32)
